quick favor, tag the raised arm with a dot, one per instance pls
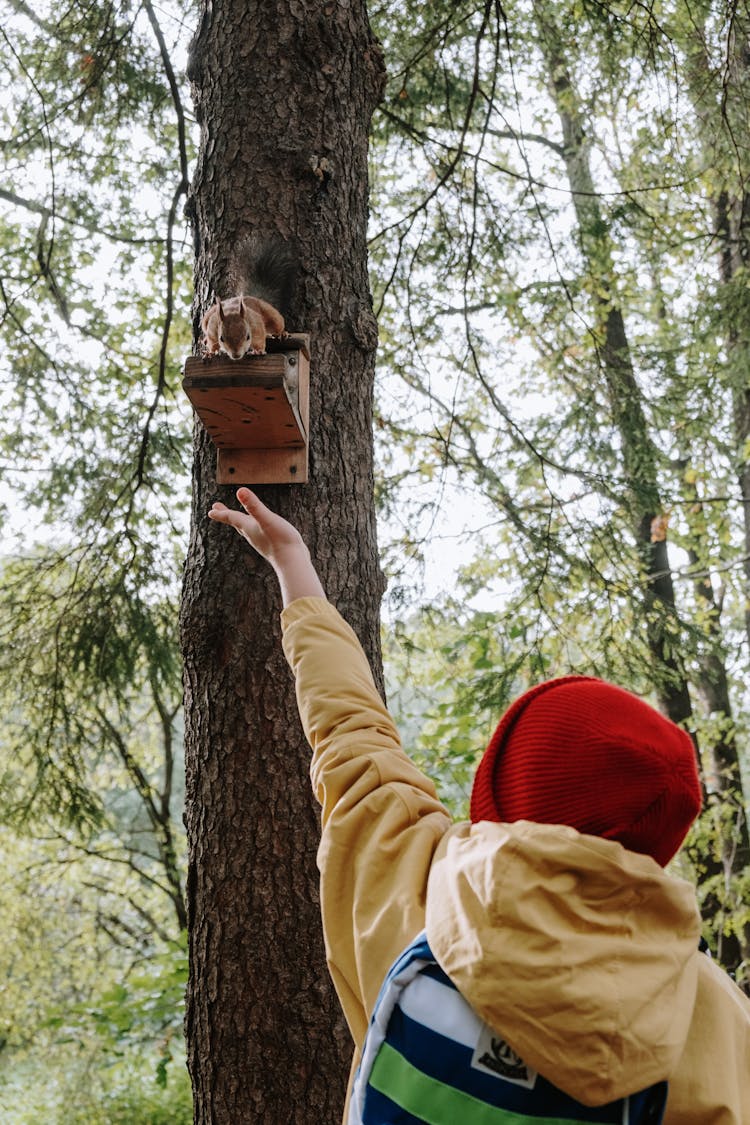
(381, 817)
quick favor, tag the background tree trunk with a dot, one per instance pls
(639, 454)
(721, 110)
(641, 473)
(284, 95)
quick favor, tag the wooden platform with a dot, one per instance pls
(256, 410)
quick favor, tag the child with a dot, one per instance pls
(550, 909)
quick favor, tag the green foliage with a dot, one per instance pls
(150, 1005)
(95, 287)
(452, 671)
(82, 640)
(66, 1087)
(91, 994)
(560, 260)
(94, 316)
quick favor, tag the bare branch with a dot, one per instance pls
(92, 227)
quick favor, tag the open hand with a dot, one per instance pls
(267, 532)
(276, 540)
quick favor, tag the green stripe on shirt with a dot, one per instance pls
(436, 1103)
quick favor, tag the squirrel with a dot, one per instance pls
(262, 276)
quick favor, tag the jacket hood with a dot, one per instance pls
(582, 954)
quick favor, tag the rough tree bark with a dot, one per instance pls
(721, 100)
(284, 92)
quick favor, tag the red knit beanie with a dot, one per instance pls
(582, 752)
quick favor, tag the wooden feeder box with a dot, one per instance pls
(256, 411)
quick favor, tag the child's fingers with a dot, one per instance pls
(222, 514)
(256, 509)
(248, 499)
(246, 496)
(252, 504)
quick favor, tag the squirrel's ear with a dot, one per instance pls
(221, 311)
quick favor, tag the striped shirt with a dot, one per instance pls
(429, 1058)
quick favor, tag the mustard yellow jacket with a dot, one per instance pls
(581, 954)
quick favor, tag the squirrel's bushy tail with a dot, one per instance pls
(265, 268)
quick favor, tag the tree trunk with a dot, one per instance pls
(721, 109)
(733, 236)
(732, 942)
(639, 457)
(284, 94)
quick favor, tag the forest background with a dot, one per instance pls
(558, 255)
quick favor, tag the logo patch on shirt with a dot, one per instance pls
(492, 1055)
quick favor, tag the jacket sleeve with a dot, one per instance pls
(381, 818)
